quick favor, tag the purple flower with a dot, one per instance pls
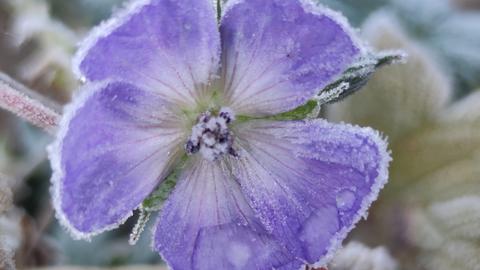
(165, 82)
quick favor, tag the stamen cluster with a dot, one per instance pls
(211, 135)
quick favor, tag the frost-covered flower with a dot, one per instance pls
(167, 87)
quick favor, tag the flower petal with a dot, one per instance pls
(171, 46)
(310, 182)
(206, 224)
(114, 146)
(277, 54)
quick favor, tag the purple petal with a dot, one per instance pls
(206, 224)
(310, 182)
(115, 144)
(170, 46)
(277, 54)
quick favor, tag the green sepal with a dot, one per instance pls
(358, 75)
(305, 111)
(302, 112)
(155, 201)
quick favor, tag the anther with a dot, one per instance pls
(211, 136)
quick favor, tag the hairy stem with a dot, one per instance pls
(28, 105)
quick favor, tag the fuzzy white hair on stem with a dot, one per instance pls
(29, 106)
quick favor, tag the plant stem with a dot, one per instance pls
(28, 105)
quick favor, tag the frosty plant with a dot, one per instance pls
(207, 112)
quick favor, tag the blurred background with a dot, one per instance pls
(428, 216)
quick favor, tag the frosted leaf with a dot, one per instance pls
(398, 98)
(356, 256)
(423, 232)
(6, 259)
(11, 234)
(30, 18)
(357, 76)
(465, 110)
(446, 239)
(451, 175)
(452, 34)
(333, 94)
(453, 254)
(459, 216)
(447, 151)
(5, 196)
(55, 43)
(10, 238)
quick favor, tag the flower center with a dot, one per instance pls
(211, 135)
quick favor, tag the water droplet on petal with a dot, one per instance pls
(345, 199)
(239, 254)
